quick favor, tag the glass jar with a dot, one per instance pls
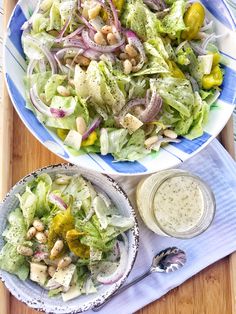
(175, 203)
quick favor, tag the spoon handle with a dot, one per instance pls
(122, 289)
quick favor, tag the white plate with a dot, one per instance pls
(31, 293)
(171, 155)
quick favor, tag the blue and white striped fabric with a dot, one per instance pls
(215, 166)
(170, 156)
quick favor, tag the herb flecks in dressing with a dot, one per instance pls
(178, 204)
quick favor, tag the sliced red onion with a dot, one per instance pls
(119, 272)
(73, 34)
(132, 103)
(79, 4)
(107, 10)
(87, 40)
(42, 66)
(134, 41)
(58, 201)
(115, 15)
(62, 32)
(63, 69)
(153, 107)
(207, 26)
(91, 54)
(31, 66)
(90, 26)
(78, 43)
(193, 82)
(197, 48)
(180, 46)
(61, 53)
(211, 38)
(28, 23)
(46, 52)
(44, 109)
(115, 253)
(93, 126)
(37, 102)
(156, 5)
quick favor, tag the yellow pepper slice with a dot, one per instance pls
(73, 241)
(216, 59)
(175, 70)
(215, 78)
(193, 19)
(90, 140)
(62, 133)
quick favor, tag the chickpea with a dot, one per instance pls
(83, 61)
(81, 125)
(111, 38)
(38, 225)
(131, 51)
(31, 233)
(63, 91)
(99, 39)
(170, 133)
(64, 262)
(133, 62)
(106, 29)
(150, 141)
(57, 248)
(24, 250)
(40, 236)
(127, 67)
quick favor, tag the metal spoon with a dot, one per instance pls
(166, 261)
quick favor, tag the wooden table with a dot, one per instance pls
(210, 292)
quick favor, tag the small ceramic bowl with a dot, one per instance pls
(31, 293)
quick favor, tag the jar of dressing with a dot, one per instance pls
(175, 203)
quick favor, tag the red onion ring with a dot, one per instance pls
(153, 107)
(44, 109)
(87, 40)
(115, 15)
(134, 41)
(62, 32)
(73, 34)
(31, 66)
(58, 201)
(93, 126)
(46, 52)
(119, 272)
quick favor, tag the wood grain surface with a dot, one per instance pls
(212, 291)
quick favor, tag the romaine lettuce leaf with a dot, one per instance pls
(134, 149)
(28, 203)
(32, 51)
(51, 86)
(13, 262)
(173, 22)
(15, 233)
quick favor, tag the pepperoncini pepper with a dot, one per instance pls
(215, 78)
(62, 133)
(175, 70)
(90, 140)
(73, 241)
(193, 19)
(216, 59)
(119, 4)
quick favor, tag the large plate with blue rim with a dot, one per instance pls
(169, 156)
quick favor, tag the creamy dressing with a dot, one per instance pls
(178, 204)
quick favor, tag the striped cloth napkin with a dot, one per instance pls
(217, 168)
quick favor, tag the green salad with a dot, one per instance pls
(121, 77)
(67, 236)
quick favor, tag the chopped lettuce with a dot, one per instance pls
(173, 23)
(32, 50)
(51, 86)
(15, 233)
(13, 262)
(28, 203)
(134, 149)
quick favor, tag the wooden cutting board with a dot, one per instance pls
(212, 291)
